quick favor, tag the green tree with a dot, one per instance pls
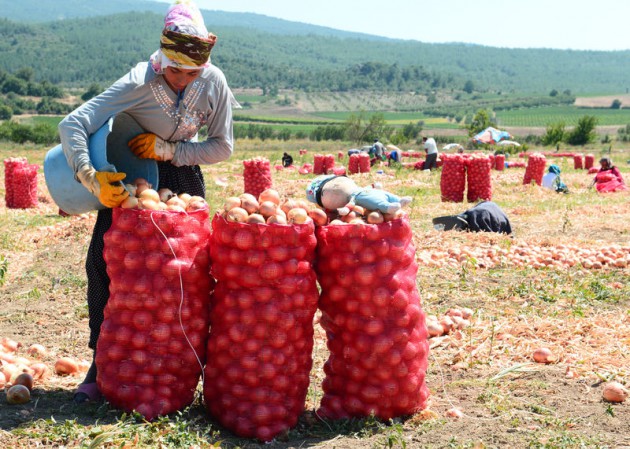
(25, 73)
(616, 104)
(5, 112)
(553, 93)
(92, 91)
(554, 134)
(469, 87)
(15, 85)
(584, 132)
(360, 128)
(480, 121)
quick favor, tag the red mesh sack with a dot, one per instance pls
(339, 170)
(340, 155)
(261, 340)
(607, 182)
(479, 179)
(499, 162)
(577, 162)
(318, 164)
(257, 176)
(589, 161)
(535, 169)
(10, 165)
(329, 163)
(152, 344)
(374, 323)
(353, 164)
(22, 185)
(364, 163)
(453, 178)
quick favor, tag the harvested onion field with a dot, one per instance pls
(561, 282)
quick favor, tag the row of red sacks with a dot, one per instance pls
(460, 170)
(257, 357)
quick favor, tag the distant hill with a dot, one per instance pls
(53, 10)
(79, 42)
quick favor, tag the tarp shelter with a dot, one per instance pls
(508, 143)
(491, 135)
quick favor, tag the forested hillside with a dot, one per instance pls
(98, 48)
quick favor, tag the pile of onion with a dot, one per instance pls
(143, 196)
(23, 365)
(454, 319)
(268, 208)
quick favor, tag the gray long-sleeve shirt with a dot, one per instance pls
(146, 97)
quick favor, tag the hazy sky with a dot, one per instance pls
(560, 24)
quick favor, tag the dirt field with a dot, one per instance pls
(527, 291)
(602, 102)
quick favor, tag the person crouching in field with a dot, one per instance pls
(608, 178)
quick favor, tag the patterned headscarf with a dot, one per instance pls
(185, 42)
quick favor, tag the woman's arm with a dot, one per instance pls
(76, 128)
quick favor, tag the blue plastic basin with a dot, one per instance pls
(107, 146)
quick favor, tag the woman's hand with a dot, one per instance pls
(150, 146)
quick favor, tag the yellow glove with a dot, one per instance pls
(106, 186)
(150, 146)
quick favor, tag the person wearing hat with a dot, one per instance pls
(551, 180)
(608, 178)
(171, 96)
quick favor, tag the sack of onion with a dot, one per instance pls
(479, 179)
(535, 169)
(373, 321)
(261, 338)
(453, 178)
(256, 175)
(20, 182)
(152, 343)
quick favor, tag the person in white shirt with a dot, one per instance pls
(551, 180)
(430, 148)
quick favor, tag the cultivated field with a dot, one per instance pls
(561, 281)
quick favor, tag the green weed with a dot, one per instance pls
(4, 268)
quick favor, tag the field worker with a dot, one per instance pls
(486, 216)
(377, 152)
(171, 96)
(608, 178)
(431, 150)
(551, 180)
(287, 160)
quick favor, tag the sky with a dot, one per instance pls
(557, 24)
